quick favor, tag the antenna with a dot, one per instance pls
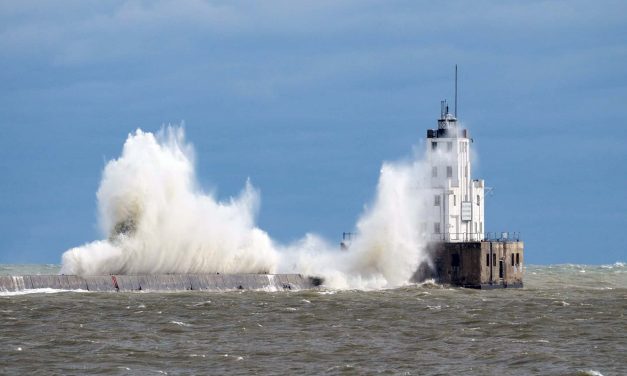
(455, 91)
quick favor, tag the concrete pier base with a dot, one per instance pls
(481, 265)
(161, 283)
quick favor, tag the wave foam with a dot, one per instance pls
(156, 219)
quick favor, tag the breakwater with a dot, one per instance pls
(161, 283)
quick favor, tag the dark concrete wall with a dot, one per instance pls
(474, 264)
(160, 283)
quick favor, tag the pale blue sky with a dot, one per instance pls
(308, 99)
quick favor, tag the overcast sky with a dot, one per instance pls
(308, 99)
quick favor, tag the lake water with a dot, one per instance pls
(568, 320)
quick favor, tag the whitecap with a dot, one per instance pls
(328, 292)
(179, 323)
(591, 372)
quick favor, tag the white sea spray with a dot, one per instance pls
(156, 219)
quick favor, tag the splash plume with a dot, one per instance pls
(156, 219)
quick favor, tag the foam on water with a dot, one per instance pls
(590, 372)
(46, 290)
(156, 219)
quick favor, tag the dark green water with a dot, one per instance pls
(568, 319)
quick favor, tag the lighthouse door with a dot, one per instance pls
(501, 268)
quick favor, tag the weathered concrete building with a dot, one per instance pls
(481, 264)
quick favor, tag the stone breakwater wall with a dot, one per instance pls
(162, 282)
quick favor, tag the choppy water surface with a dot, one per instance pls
(568, 319)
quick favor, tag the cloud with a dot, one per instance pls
(75, 33)
(269, 51)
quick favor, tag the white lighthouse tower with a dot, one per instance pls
(454, 221)
(457, 201)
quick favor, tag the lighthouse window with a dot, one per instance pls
(512, 259)
(487, 259)
(434, 172)
(454, 200)
(436, 227)
(478, 200)
(493, 259)
(518, 258)
(436, 201)
(434, 145)
(449, 171)
(449, 146)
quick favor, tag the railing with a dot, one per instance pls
(460, 236)
(503, 236)
(477, 236)
(347, 239)
(348, 236)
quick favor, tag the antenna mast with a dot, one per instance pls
(455, 91)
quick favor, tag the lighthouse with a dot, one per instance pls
(460, 251)
(457, 210)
